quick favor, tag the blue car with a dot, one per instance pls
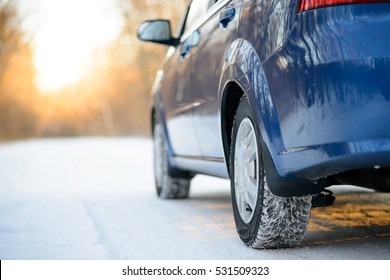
(284, 97)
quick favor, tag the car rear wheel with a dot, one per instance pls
(262, 219)
(166, 185)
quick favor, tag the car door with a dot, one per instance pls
(178, 99)
(216, 29)
(176, 95)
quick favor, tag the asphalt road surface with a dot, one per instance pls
(94, 198)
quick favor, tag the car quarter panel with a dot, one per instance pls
(323, 90)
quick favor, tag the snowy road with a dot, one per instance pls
(93, 198)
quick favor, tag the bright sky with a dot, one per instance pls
(66, 36)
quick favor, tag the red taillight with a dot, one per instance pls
(305, 5)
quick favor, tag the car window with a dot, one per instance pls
(197, 9)
(178, 22)
(212, 2)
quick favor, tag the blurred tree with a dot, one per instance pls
(17, 90)
(113, 99)
(9, 33)
(139, 61)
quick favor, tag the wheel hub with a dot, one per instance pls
(158, 154)
(245, 170)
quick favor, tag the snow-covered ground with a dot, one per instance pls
(49, 191)
(88, 198)
(94, 198)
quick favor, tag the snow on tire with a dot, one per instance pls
(263, 220)
(283, 220)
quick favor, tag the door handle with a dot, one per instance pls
(226, 16)
(184, 50)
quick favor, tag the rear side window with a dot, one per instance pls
(198, 8)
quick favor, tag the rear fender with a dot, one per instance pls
(243, 66)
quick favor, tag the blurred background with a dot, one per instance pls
(76, 68)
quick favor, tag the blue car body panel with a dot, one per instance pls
(326, 90)
(318, 83)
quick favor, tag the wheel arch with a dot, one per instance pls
(232, 95)
(243, 75)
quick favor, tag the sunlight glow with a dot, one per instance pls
(68, 36)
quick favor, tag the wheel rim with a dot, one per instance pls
(245, 170)
(158, 154)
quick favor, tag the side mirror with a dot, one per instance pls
(157, 31)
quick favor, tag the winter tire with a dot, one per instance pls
(262, 219)
(166, 185)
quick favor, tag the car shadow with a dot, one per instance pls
(358, 216)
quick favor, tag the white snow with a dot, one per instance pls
(94, 198)
(88, 198)
(49, 189)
